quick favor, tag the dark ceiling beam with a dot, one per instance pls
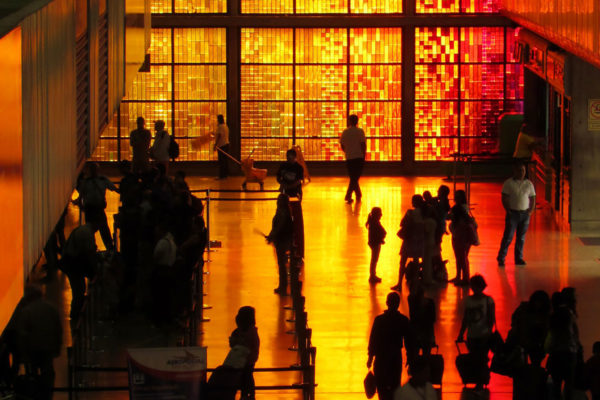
(329, 21)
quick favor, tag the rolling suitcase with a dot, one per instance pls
(436, 367)
(468, 370)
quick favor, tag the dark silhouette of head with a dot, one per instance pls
(159, 125)
(245, 318)
(140, 122)
(353, 120)
(443, 192)
(220, 119)
(539, 302)
(477, 283)
(417, 201)
(427, 197)
(460, 197)
(519, 170)
(393, 301)
(291, 155)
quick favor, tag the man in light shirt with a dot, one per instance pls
(518, 199)
(354, 144)
(222, 143)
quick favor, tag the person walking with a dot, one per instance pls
(139, 140)
(222, 143)
(377, 235)
(354, 145)
(160, 147)
(518, 200)
(92, 200)
(390, 332)
(479, 319)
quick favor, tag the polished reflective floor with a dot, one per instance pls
(341, 304)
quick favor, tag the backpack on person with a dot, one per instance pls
(173, 148)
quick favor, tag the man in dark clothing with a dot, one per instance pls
(281, 236)
(139, 139)
(389, 332)
(290, 175)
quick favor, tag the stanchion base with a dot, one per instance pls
(206, 307)
(293, 348)
(290, 321)
(292, 332)
(288, 307)
(205, 320)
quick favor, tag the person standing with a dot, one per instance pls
(354, 145)
(518, 199)
(139, 140)
(281, 236)
(461, 238)
(390, 331)
(246, 334)
(160, 147)
(290, 175)
(222, 143)
(377, 235)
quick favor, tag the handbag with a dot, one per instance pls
(370, 385)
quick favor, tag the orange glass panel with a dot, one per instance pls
(321, 6)
(438, 6)
(267, 46)
(200, 82)
(436, 82)
(379, 119)
(321, 149)
(267, 6)
(11, 176)
(320, 119)
(266, 82)
(376, 45)
(265, 149)
(153, 85)
(200, 6)
(160, 46)
(375, 7)
(321, 82)
(161, 6)
(482, 45)
(482, 81)
(436, 45)
(200, 45)
(375, 82)
(327, 45)
(267, 119)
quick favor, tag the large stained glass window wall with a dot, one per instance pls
(299, 85)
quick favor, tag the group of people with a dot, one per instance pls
(544, 327)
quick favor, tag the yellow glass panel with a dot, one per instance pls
(326, 45)
(200, 45)
(436, 45)
(153, 85)
(160, 46)
(376, 45)
(320, 119)
(161, 6)
(320, 149)
(379, 118)
(267, 119)
(375, 82)
(267, 46)
(438, 6)
(321, 82)
(266, 82)
(271, 149)
(376, 7)
(321, 6)
(267, 6)
(200, 6)
(200, 82)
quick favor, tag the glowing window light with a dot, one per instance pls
(200, 45)
(321, 6)
(376, 45)
(267, 82)
(321, 82)
(153, 85)
(376, 7)
(160, 46)
(326, 45)
(161, 6)
(201, 82)
(200, 6)
(267, 46)
(267, 6)
(438, 6)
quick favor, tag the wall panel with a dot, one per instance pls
(49, 139)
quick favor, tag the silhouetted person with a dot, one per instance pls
(139, 140)
(376, 238)
(563, 344)
(92, 199)
(478, 320)
(461, 237)
(429, 243)
(592, 371)
(389, 333)
(39, 338)
(281, 236)
(422, 317)
(160, 147)
(222, 143)
(418, 386)
(79, 262)
(529, 326)
(518, 200)
(412, 233)
(354, 145)
(163, 274)
(290, 176)
(246, 334)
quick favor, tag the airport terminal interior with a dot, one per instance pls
(448, 93)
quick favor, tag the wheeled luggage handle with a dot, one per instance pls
(458, 347)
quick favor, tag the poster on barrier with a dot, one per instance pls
(166, 373)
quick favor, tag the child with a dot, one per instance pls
(592, 370)
(376, 239)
